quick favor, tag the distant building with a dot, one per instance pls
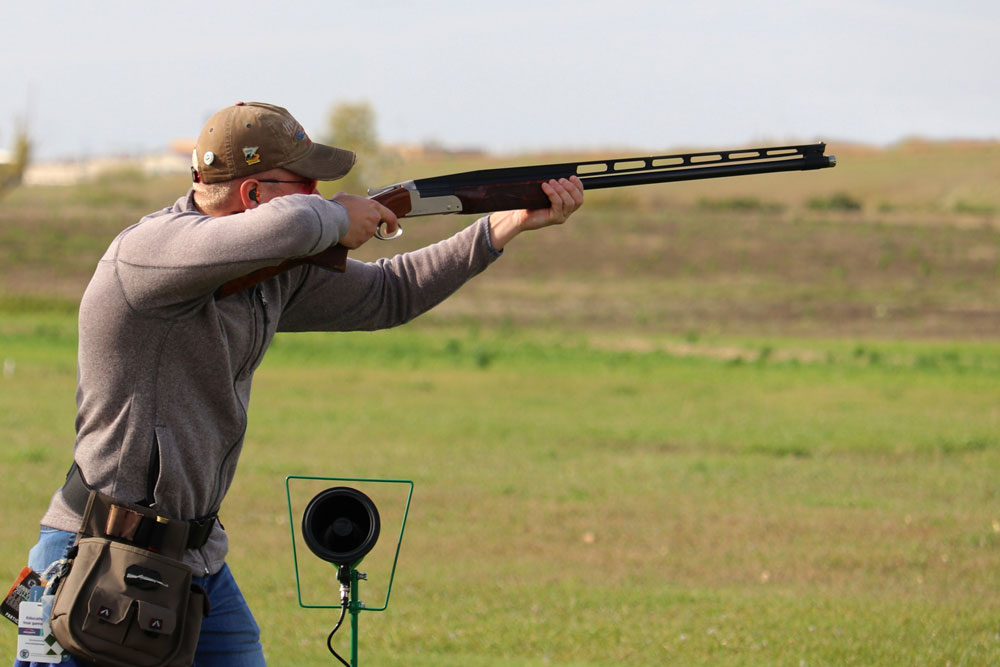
(176, 160)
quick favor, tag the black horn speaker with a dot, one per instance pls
(341, 525)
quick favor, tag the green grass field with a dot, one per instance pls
(686, 429)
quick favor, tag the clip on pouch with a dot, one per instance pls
(128, 599)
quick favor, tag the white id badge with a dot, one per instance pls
(35, 642)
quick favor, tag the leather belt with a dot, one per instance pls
(76, 492)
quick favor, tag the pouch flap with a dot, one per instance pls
(154, 618)
(108, 607)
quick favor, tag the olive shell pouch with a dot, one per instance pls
(122, 604)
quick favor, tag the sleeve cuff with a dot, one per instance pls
(485, 222)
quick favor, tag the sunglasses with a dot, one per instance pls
(309, 182)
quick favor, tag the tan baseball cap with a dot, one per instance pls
(250, 137)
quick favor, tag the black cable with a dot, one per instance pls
(329, 638)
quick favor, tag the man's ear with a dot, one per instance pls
(250, 193)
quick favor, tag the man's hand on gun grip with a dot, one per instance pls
(365, 215)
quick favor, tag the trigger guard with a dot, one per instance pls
(383, 237)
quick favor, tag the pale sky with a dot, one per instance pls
(108, 77)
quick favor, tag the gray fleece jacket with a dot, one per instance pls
(165, 367)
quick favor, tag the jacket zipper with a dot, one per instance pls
(258, 338)
(256, 351)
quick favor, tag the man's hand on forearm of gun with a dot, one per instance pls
(565, 196)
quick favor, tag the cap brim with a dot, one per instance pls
(323, 163)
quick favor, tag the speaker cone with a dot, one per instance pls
(341, 525)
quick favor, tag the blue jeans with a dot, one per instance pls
(229, 637)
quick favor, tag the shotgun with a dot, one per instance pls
(511, 188)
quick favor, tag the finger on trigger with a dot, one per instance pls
(382, 213)
(390, 219)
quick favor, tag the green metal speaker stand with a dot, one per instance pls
(349, 578)
(348, 575)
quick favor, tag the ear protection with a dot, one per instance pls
(254, 196)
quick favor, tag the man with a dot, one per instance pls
(166, 363)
